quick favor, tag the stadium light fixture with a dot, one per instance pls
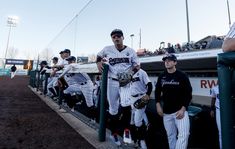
(12, 21)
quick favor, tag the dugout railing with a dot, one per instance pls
(226, 74)
(156, 131)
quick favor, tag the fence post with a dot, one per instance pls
(102, 127)
(226, 65)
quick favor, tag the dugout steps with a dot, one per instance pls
(88, 129)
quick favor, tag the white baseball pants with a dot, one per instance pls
(175, 126)
(138, 116)
(113, 96)
(219, 126)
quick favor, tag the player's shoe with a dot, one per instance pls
(143, 144)
(55, 98)
(127, 136)
(72, 109)
(115, 139)
(93, 121)
(62, 110)
(136, 144)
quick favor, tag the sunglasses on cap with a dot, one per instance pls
(118, 36)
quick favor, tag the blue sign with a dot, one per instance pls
(15, 61)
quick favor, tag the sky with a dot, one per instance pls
(52, 25)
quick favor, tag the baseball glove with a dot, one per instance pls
(140, 103)
(124, 78)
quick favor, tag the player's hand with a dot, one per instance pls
(52, 73)
(212, 113)
(100, 66)
(59, 83)
(180, 113)
(159, 109)
(146, 97)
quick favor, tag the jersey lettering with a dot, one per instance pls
(113, 61)
(136, 79)
(172, 82)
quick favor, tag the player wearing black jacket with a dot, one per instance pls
(174, 90)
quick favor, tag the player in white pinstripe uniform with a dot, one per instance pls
(96, 90)
(215, 107)
(50, 90)
(141, 87)
(53, 86)
(78, 83)
(174, 90)
(120, 58)
(229, 42)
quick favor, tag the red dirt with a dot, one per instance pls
(27, 122)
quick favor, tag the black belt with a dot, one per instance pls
(113, 79)
(137, 95)
(83, 83)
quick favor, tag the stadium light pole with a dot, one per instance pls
(229, 19)
(187, 18)
(132, 35)
(11, 22)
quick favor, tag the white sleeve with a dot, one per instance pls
(145, 78)
(102, 53)
(67, 69)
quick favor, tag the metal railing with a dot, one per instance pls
(226, 74)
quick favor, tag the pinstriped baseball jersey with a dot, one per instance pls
(231, 33)
(74, 78)
(139, 81)
(125, 99)
(63, 62)
(119, 61)
(78, 82)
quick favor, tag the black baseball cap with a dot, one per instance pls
(55, 58)
(66, 51)
(116, 31)
(169, 57)
(61, 52)
(71, 58)
(43, 63)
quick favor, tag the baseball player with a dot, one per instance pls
(215, 110)
(43, 68)
(174, 90)
(53, 85)
(229, 42)
(50, 89)
(96, 90)
(13, 71)
(141, 87)
(78, 83)
(120, 58)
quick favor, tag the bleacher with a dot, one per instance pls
(208, 42)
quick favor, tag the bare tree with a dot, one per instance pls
(12, 52)
(46, 55)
